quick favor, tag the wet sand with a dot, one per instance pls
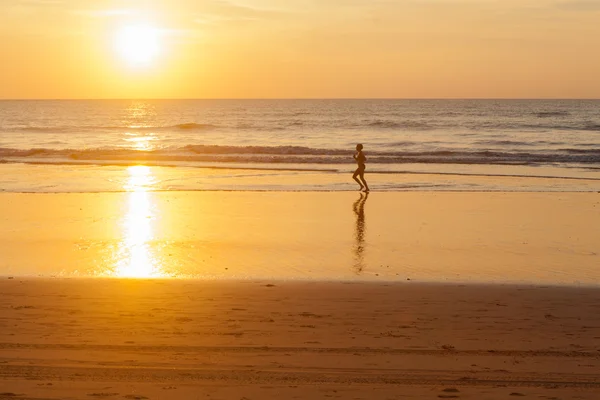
(534, 238)
(185, 339)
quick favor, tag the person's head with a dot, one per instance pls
(359, 147)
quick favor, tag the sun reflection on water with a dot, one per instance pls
(140, 117)
(140, 142)
(136, 257)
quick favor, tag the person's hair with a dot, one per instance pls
(359, 147)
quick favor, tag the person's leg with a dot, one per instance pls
(355, 177)
(364, 182)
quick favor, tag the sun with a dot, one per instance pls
(138, 45)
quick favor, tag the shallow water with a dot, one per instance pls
(34, 178)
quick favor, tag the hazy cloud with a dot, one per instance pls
(41, 2)
(579, 5)
(103, 13)
(221, 10)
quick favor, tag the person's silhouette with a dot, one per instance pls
(359, 235)
(360, 158)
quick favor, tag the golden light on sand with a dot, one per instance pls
(136, 259)
(138, 45)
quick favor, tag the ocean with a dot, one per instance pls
(300, 145)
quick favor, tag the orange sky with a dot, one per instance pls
(304, 48)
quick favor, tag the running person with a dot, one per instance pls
(360, 158)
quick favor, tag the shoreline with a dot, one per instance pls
(300, 281)
(89, 178)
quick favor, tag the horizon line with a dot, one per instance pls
(290, 98)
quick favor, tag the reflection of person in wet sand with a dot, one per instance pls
(359, 210)
(360, 158)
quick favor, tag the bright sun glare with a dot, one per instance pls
(139, 45)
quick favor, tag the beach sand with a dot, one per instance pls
(299, 295)
(539, 238)
(186, 339)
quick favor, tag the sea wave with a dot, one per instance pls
(122, 128)
(542, 124)
(549, 114)
(275, 150)
(541, 127)
(191, 125)
(296, 155)
(391, 124)
(592, 127)
(505, 143)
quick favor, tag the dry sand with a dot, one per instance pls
(161, 339)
